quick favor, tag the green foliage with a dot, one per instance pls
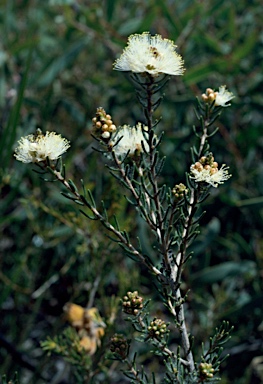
(211, 357)
(14, 381)
(67, 344)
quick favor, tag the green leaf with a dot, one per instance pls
(9, 134)
(110, 7)
(61, 2)
(246, 307)
(220, 272)
(212, 230)
(52, 69)
(197, 73)
(129, 26)
(246, 48)
(170, 18)
(255, 202)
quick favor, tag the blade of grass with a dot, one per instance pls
(9, 133)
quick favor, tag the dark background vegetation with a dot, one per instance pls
(56, 68)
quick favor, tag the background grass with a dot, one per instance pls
(56, 68)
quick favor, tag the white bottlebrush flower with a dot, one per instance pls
(223, 96)
(129, 139)
(36, 148)
(210, 176)
(152, 54)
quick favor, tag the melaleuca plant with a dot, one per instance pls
(170, 212)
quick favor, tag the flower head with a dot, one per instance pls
(206, 371)
(179, 191)
(129, 140)
(119, 346)
(221, 98)
(36, 148)
(157, 329)
(132, 303)
(206, 170)
(152, 54)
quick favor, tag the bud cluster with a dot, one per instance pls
(206, 371)
(132, 303)
(157, 329)
(119, 346)
(220, 98)
(209, 96)
(207, 163)
(179, 191)
(103, 126)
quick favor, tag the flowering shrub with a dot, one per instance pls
(169, 213)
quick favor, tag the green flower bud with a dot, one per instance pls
(132, 303)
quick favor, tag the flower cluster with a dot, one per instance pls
(119, 346)
(220, 98)
(151, 54)
(206, 170)
(157, 329)
(36, 148)
(88, 323)
(132, 303)
(103, 126)
(129, 140)
(179, 191)
(206, 371)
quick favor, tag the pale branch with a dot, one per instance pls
(203, 139)
(93, 291)
(176, 271)
(181, 324)
(157, 216)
